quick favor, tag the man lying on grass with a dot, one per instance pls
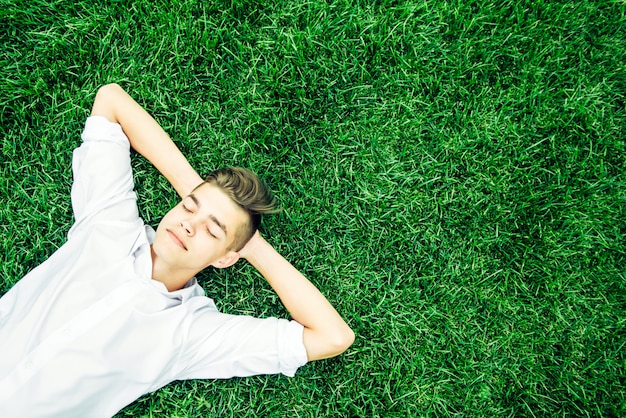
(116, 311)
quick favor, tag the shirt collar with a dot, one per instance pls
(189, 290)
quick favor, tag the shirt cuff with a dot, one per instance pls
(293, 351)
(99, 128)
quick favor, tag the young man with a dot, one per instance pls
(116, 312)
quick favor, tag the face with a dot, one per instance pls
(198, 231)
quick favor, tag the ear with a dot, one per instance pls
(227, 260)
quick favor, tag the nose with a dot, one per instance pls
(187, 227)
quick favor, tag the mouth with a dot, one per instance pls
(177, 240)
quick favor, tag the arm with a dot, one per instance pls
(325, 333)
(146, 137)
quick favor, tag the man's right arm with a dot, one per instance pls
(146, 136)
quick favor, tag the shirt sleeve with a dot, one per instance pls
(103, 182)
(221, 346)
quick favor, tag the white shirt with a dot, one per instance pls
(88, 331)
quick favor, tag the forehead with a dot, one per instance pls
(213, 201)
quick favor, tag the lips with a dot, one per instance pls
(177, 240)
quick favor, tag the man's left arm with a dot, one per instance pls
(146, 136)
(325, 333)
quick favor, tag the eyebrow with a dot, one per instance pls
(211, 217)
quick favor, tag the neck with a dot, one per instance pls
(173, 279)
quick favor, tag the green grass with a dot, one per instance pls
(452, 173)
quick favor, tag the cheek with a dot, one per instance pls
(165, 220)
(206, 247)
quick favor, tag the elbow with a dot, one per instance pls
(348, 338)
(105, 91)
(341, 340)
(108, 87)
(327, 344)
(106, 101)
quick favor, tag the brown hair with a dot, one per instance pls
(248, 191)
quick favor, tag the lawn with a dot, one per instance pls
(452, 175)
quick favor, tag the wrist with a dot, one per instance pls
(254, 248)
